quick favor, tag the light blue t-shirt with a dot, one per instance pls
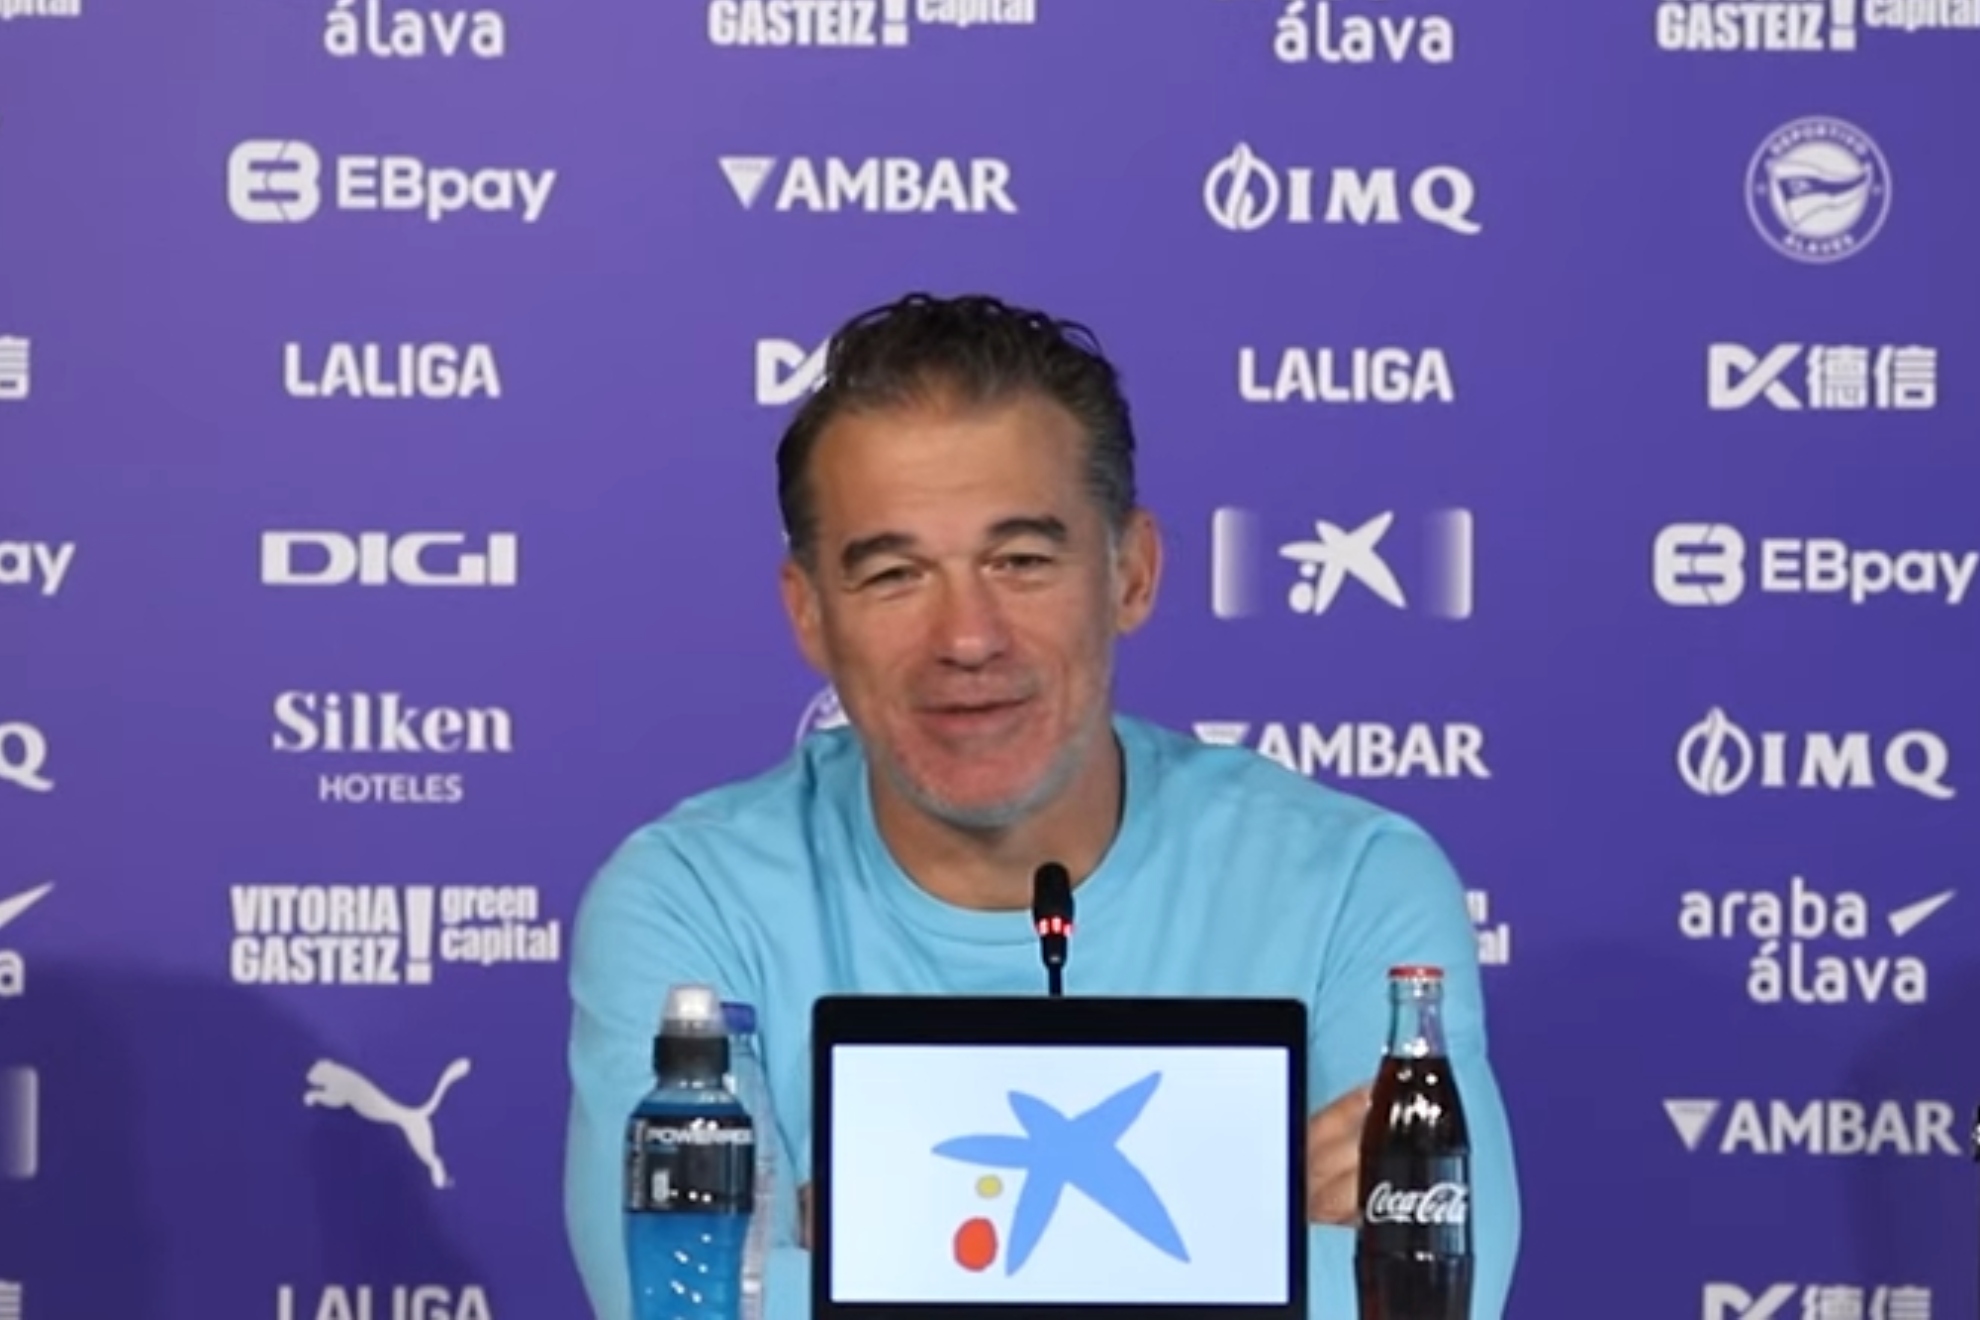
(1230, 875)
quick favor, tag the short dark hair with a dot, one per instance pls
(974, 350)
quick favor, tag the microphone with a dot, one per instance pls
(1052, 916)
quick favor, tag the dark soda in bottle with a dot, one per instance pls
(1413, 1251)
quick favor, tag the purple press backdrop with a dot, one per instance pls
(1482, 299)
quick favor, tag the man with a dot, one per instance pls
(965, 547)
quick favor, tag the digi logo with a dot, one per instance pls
(1056, 1152)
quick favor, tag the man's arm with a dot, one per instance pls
(1405, 905)
(646, 922)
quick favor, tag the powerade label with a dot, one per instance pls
(693, 1165)
(1417, 1203)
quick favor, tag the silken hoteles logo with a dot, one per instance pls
(1831, 377)
(1818, 1301)
(16, 377)
(387, 559)
(386, 29)
(1717, 758)
(1359, 749)
(37, 566)
(24, 757)
(278, 181)
(334, 1085)
(1818, 190)
(1347, 37)
(1827, 1127)
(372, 935)
(1243, 193)
(391, 371)
(1710, 564)
(20, 1123)
(787, 371)
(13, 968)
(1056, 1152)
(1718, 26)
(406, 1301)
(13, 9)
(385, 726)
(854, 24)
(1812, 947)
(874, 185)
(1345, 375)
(1344, 568)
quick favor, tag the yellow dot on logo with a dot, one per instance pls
(989, 1185)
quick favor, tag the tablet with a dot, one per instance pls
(1058, 1159)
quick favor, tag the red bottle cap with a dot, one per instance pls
(1416, 973)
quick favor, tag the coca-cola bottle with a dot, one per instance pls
(1413, 1248)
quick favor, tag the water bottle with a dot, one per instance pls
(690, 1171)
(751, 1084)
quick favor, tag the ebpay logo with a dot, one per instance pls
(1057, 1152)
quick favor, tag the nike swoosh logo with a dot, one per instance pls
(19, 903)
(1905, 919)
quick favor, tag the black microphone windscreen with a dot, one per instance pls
(1051, 892)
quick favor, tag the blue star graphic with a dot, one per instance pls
(1057, 1152)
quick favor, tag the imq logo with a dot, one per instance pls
(1818, 1301)
(1707, 564)
(1815, 1127)
(876, 185)
(1243, 193)
(787, 371)
(387, 559)
(24, 757)
(273, 181)
(1717, 758)
(1823, 377)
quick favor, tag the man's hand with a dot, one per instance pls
(1333, 1159)
(804, 1216)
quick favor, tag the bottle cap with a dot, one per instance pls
(739, 1018)
(1416, 972)
(692, 1009)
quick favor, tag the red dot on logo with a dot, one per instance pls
(976, 1244)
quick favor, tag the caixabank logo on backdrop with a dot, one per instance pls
(1817, 1301)
(1806, 944)
(1343, 567)
(429, 372)
(384, 935)
(382, 29)
(1798, 377)
(1807, 26)
(1716, 757)
(35, 568)
(1818, 190)
(871, 185)
(275, 181)
(1354, 33)
(1821, 1127)
(1328, 375)
(1244, 193)
(1715, 564)
(394, 738)
(855, 24)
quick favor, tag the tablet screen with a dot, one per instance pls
(1060, 1174)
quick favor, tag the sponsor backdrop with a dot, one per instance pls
(1563, 422)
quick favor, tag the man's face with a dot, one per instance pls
(966, 600)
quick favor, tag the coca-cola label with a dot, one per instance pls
(704, 1164)
(1417, 1203)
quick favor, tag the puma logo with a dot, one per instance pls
(335, 1086)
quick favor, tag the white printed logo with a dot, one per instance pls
(337, 1086)
(413, 34)
(39, 566)
(822, 712)
(1818, 1301)
(1818, 190)
(1494, 941)
(386, 724)
(1717, 758)
(1705, 564)
(1360, 750)
(1242, 193)
(1800, 918)
(15, 376)
(342, 935)
(1444, 1203)
(1336, 556)
(1817, 1127)
(403, 371)
(1355, 375)
(23, 756)
(385, 559)
(1362, 39)
(13, 9)
(20, 1123)
(13, 969)
(853, 24)
(786, 370)
(1833, 377)
(11, 1293)
(877, 185)
(273, 181)
(425, 1301)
